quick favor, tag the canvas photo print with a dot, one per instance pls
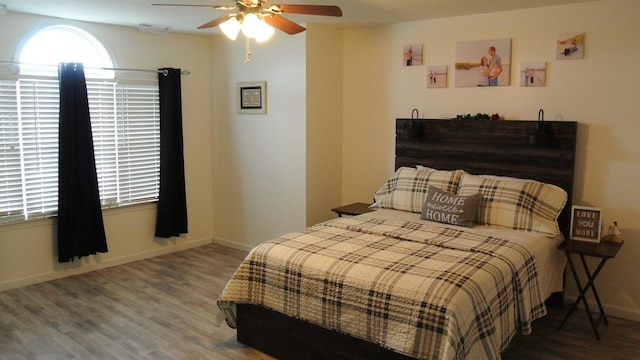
(412, 55)
(483, 63)
(570, 46)
(437, 76)
(533, 74)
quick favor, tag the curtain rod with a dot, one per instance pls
(182, 72)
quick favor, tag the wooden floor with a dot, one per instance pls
(165, 308)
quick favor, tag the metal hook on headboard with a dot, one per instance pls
(415, 112)
(540, 134)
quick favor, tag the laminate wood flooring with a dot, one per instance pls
(165, 308)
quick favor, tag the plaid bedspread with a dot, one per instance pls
(426, 291)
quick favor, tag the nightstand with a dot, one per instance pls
(604, 250)
(352, 209)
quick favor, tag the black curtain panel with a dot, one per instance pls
(171, 219)
(80, 227)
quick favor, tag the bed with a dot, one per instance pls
(437, 271)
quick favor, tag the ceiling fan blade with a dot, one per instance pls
(325, 10)
(218, 7)
(216, 21)
(283, 24)
(182, 5)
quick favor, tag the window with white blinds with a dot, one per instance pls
(125, 122)
(11, 174)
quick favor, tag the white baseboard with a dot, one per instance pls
(233, 244)
(88, 267)
(622, 313)
(610, 310)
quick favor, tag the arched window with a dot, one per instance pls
(64, 43)
(125, 124)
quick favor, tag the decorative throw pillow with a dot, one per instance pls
(407, 189)
(520, 205)
(449, 208)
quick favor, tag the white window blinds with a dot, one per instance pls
(125, 123)
(11, 174)
(38, 143)
(139, 143)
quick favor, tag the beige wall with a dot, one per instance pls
(600, 92)
(324, 122)
(27, 250)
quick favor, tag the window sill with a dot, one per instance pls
(48, 220)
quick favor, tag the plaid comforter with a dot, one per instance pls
(423, 290)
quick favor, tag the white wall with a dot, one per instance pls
(28, 250)
(281, 171)
(259, 160)
(600, 92)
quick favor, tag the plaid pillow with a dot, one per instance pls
(407, 189)
(520, 205)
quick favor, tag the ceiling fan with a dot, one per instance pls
(256, 19)
(250, 10)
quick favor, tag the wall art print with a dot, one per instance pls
(412, 55)
(533, 74)
(483, 63)
(437, 77)
(251, 97)
(570, 46)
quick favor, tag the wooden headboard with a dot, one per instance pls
(542, 151)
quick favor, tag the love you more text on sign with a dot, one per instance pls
(586, 223)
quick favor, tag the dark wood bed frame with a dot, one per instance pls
(543, 151)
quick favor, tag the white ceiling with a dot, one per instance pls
(187, 19)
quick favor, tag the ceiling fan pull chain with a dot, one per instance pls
(247, 52)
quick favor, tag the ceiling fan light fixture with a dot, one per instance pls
(251, 25)
(231, 28)
(265, 32)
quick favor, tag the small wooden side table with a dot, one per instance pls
(604, 250)
(352, 209)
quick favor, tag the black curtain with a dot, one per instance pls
(80, 227)
(171, 219)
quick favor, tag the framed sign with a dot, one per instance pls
(586, 223)
(252, 98)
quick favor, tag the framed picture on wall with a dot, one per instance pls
(252, 97)
(483, 63)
